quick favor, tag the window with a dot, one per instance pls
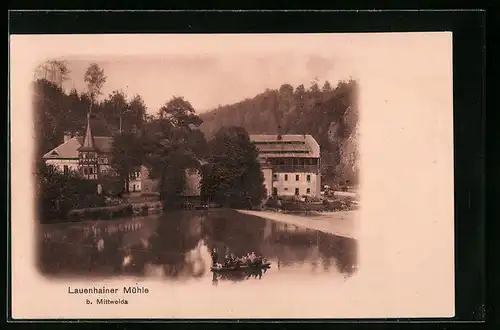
(286, 189)
(275, 177)
(308, 190)
(85, 171)
(66, 169)
(308, 178)
(275, 191)
(296, 191)
(286, 177)
(297, 177)
(91, 170)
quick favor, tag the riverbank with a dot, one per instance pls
(109, 212)
(343, 224)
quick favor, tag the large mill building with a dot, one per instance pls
(290, 163)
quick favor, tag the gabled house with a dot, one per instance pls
(89, 155)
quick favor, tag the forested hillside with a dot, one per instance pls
(57, 113)
(330, 114)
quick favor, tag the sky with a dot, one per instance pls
(209, 70)
(206, 80)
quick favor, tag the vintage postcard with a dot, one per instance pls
(232, 176)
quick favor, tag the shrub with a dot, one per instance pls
(144, 210)
(101, 213)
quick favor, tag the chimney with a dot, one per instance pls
(67, 137)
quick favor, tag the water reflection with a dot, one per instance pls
(237, 276)
(177, 246)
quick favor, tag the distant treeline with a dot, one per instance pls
(329, 114)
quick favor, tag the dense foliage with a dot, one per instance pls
(329, 114)
(58, 193)
(173, 144)
(127, 156)
(58, 113)
(233, 176)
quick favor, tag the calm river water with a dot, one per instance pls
(176, 246)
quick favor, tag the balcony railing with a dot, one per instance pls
(296, 168)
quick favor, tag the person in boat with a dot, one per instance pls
(230, 260)
(252, 257)
(227, 260)
(259, 261)
(247, 259)
(234, 260)
(215, 257)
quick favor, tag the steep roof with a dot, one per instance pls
(69, 149)
(88, 141)
(274, 137)
(286, 145)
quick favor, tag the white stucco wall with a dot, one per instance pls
(268, 180)
(60, 163)
(287, 187)
(134, 183)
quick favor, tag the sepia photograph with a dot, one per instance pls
(228, 186)
(231, 175)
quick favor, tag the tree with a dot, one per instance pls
(327, 87)
(136, 115)
(126, 156)
(172, 145)
(115, 107)
(50, 105)
(234, 176)
(57, 193)
(286, 89)
(300, 90)
(314, 86)
(180, 113)
(55, 71)
(77, 113)
(95, 79)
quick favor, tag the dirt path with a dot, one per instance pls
(336, 223)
